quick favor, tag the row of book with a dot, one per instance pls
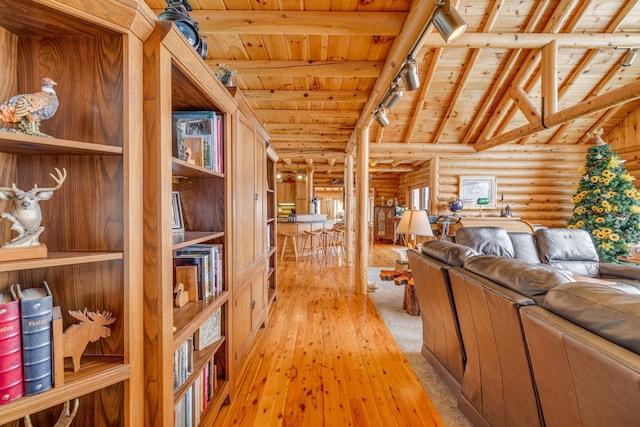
(189, 409)
(208, 333)
(198, 138)
(26, 357)
(200, 268)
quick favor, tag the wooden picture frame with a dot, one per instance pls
(473, 188)
(177, 220)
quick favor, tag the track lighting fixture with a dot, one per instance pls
(393, 95)
(628, 59)
(409, 74)
(448, 21)
(380, 116)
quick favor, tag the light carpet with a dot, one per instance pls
(407, 330)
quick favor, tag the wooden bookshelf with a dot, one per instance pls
(93, 223)
(177, 79)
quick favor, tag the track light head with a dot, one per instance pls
(409, 74)
(380, 116)
(628, 59)
(392, 97)
(448, 22)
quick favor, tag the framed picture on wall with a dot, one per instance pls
(473, 188)
(177, 221)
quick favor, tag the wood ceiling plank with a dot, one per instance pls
(306, 95)
(304, 68)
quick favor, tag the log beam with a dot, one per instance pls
(550, 78)
(526, 106)
(610, 99)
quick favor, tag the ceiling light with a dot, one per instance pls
(632, 52)
(409, 74)
(448, 22)
(380, 116)
(392, 96)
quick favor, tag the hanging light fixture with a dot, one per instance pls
(380, 116)
(448, 21)
(632, 52)
(409, 74)
(393, 95)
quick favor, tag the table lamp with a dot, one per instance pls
(414, 222)
(481, 202)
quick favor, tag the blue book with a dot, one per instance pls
(36, 306)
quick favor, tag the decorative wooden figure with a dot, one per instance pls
(91, 328)
(26, 217)
(181, 297)
(66, 416)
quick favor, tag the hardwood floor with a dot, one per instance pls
(326, 358)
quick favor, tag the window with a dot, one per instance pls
(420, 198)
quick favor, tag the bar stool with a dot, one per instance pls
(327, 239)
(313, 241)
(293, 237)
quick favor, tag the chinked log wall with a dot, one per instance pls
(537, 181)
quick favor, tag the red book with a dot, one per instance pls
(10, 349)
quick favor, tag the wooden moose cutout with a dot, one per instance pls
(91, 328)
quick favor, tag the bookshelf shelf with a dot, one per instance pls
(95, 373)
(60, 258)
(15, 143)
(188, 238)
(200, 359)
(187, 319)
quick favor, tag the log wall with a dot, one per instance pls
(537, 181)
(625, 139)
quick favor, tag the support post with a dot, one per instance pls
(362, 225)
(348, 209)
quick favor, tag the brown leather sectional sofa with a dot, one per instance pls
(552, 340)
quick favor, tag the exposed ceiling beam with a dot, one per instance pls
(412, 30)
(536, 40)
(302, 128)
(426, 151)
(301, 68)
(593, 105)
(307, 95)
(274, 22)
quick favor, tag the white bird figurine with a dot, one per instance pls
(29, 109)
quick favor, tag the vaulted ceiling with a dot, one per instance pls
(524, 72)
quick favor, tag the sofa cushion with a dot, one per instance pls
(448, 252)
(524, 247)
(569, 249)
(609, 310)
(486, 240)
(526, 279)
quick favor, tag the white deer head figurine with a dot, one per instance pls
(26, 215)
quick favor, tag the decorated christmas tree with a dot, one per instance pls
(607, 203)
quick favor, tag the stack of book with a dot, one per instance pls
(26, 356)
(207, 263)
(197, 137)
(197, 397)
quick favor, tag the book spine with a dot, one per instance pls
(37, 315)
(10, 353)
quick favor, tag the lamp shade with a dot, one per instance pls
(414, 221)
(448, 22)
(409, 75)
(380, 116)
(392, 96)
